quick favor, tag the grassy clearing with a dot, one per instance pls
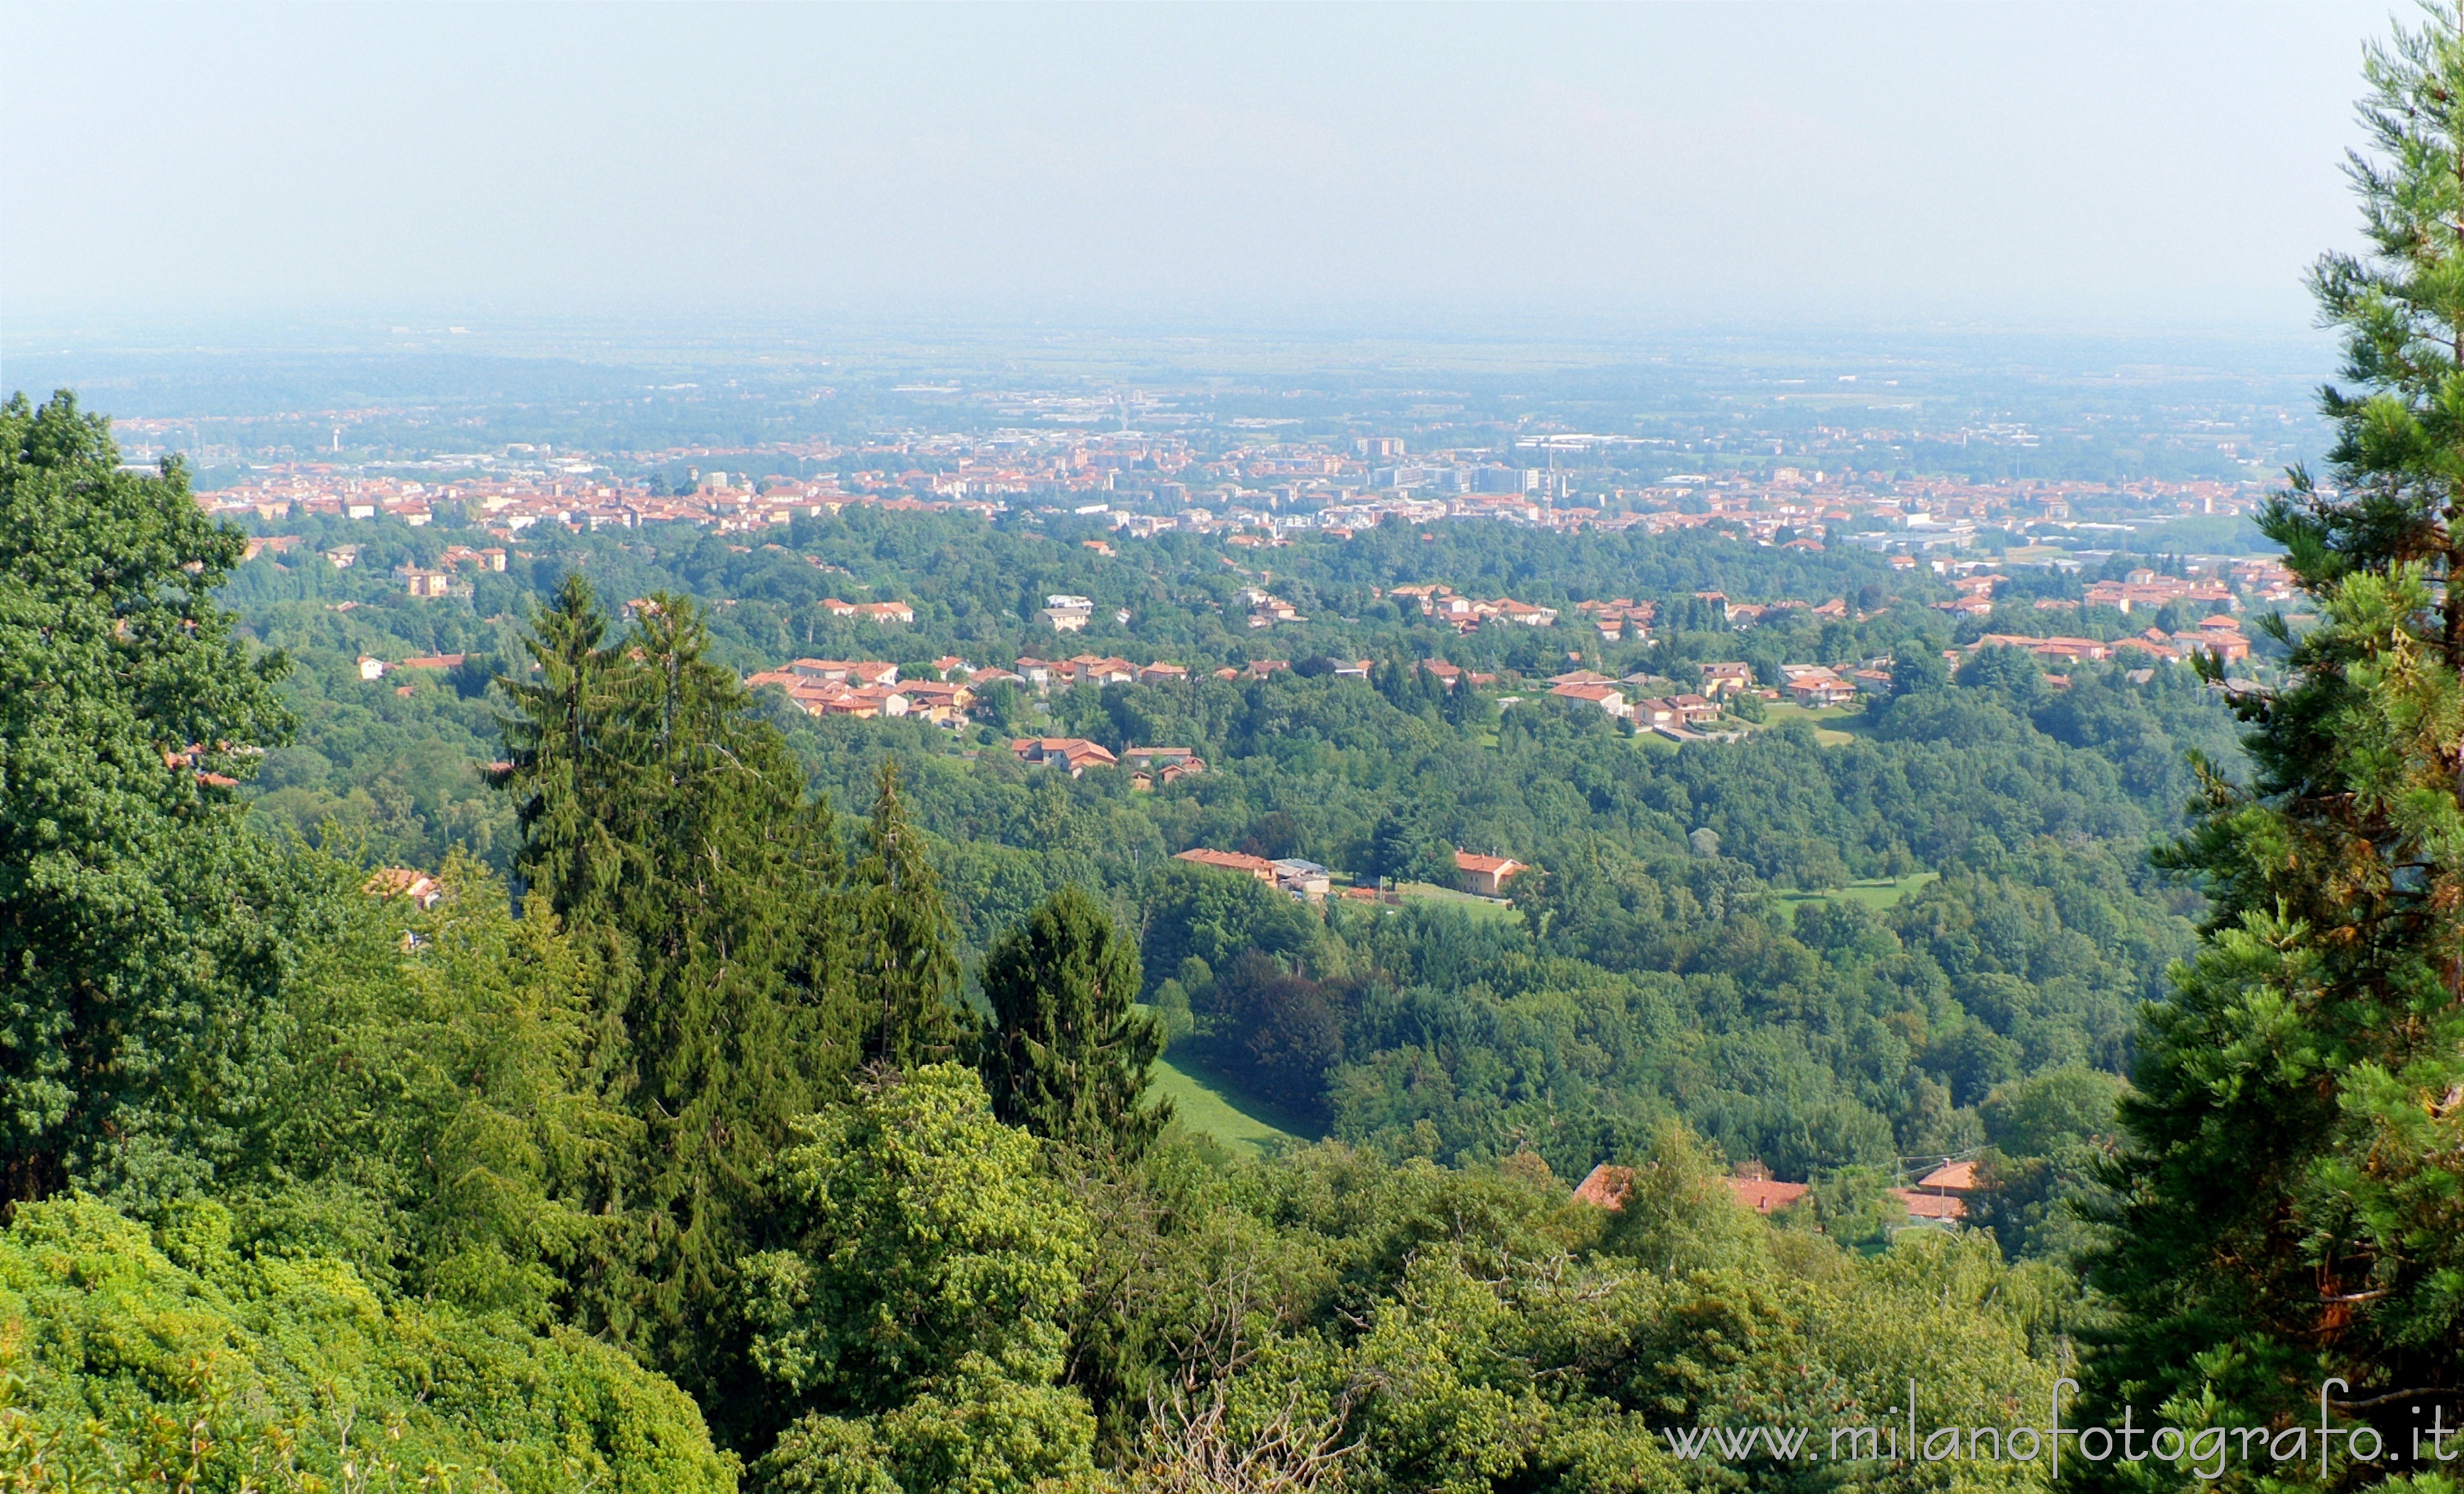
(1446, 896)
(1207, 1105)
(1834, 726)
(1878, 894)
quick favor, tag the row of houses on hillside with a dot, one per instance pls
(866, 688)
(1484, 875)
(2217, 633)
(2145, 588)
(1087, 668)
(882, 613)
(1622, 699)
(1149, 767)
(1621, 620)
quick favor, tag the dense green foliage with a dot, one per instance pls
(137, 1355)
(134, 940)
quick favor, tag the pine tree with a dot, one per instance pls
(2294, 1206)
(905, 960)
(140, 981)
(1069, 1054)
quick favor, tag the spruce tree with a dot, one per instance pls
(906, 966)
(664, 816)
(735, 1011)
(2293, 1204)
(1068, 1054)
(558, 763)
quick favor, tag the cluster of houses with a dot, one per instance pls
(2141, 588)
(1467, 614)
(2218, 634)
(1087, 669)
(1621, 620)
(446, 578)
(866, 688)
(1940, 1199)
(1266, 608)
(1676, 717)
(1303, 879)
(1684, 717)
(1742, 615)
(870, 688)
(2145, 588)
(1150, 767)
(881, 612)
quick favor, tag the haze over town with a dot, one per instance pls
(1508, 168)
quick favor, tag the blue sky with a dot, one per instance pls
(2139, 166)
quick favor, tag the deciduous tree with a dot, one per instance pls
(142, 977)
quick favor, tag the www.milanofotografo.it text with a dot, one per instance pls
(2203, 1451)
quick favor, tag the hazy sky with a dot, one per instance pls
(2136, 165)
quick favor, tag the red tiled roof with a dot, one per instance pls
(1929, 1206)
(1607, 1186)
(1762, 1195)
(1256, 867)
(1953, 1177)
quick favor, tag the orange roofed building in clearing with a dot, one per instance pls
(418, 886)
(1258, 866)
(1487, 875)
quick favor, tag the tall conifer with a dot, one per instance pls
(664, 815)
(1068, 1054)
(2294, 1203)
(906, 965)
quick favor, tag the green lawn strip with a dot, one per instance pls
(1834, 726)
(1209, 1105)
(1476, 906)
(1878, 894)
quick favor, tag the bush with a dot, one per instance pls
(184, 1362)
